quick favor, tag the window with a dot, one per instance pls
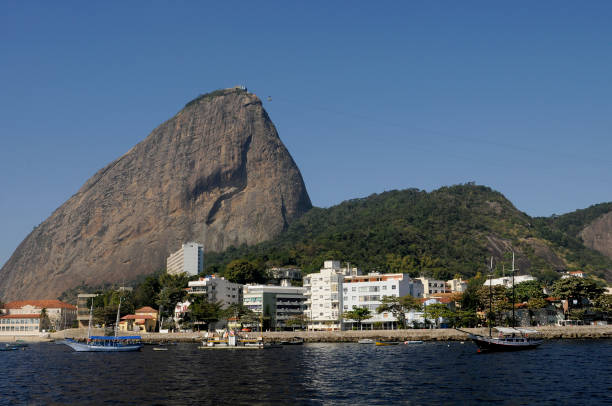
(393, 286)
(354, 289)
(384, 287)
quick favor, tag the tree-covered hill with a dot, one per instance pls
(447, 232)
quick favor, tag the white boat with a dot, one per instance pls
(366, 341)
(114, 343)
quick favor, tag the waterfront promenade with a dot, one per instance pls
(447, 334)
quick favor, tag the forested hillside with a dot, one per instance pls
(450, 231)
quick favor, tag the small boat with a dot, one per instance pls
(8, 347)
(293, 341)
(160, 348)
(366, 341)
(413, 342)
(383, 343)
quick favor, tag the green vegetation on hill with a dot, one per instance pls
(573, 223)
(443, 233)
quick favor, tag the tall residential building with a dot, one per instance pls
(277, 304)
(368, 290)
(216, 290)
(189, 259)
(324, 296)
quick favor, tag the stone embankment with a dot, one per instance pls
(548, 332)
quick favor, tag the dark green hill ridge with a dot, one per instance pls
(447, 232)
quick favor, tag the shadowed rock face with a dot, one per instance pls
(216, 173)
(598, 234)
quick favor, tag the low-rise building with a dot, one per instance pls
(25, 316)
(285, 276)
(433, 286)
(276, 304)
(216, 289)
(573, 274)
(83, 308)
(144, 320)
(506, 281)
(456, 285)
(367, 291)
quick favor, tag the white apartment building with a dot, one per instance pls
(433, 286)
(216, 290)
(368, 290)
(507, 280)
(324, 296)
(276, 304)
(189, 259)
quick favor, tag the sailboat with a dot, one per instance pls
(508, 338)
(114, 343)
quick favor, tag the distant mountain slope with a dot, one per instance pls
(216, 173)
(593, 226)
(452, 230)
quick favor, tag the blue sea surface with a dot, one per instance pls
(560, 372)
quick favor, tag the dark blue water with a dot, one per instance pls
(562, 372)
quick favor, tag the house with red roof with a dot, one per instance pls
(143, 321)
(24, 317)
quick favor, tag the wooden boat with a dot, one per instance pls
(106, 343)
(508, 338)
(293, 341)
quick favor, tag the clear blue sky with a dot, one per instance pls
(367, 96)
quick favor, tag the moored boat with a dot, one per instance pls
(383, 343)
(293, 341)
(366, 341)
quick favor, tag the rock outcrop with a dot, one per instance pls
(216, 173)
(598, 234)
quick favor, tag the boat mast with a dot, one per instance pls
(513, 289)
(117, 321)
(490, 295)
(90, 319)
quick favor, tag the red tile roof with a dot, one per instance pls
(20, 316)
(138, 317)
(41, 304)
(146, 309)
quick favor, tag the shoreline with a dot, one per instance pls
(446, 334)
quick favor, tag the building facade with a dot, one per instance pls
(83, 308)
(506, 281)
(433, 286)
(189, 259)
(324, 296)
(143, 321)
(368, 290)
(216, 289)
(25, 316)
(275, 304)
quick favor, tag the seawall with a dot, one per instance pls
(548, 332)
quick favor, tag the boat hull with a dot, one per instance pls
(82, 347)
(502, 344)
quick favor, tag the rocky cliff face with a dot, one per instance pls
(216, 173)
(598, 234)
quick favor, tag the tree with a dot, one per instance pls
(399, 306)
(243, 272)
(576, 289)
(45, 322)
(201, 310)
(358, 314)
(436, 311)
(299, 321)
(527, 290)
(172, 291)
(146, 293)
